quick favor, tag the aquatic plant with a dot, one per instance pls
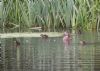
(51, 15)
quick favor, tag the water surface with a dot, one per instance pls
(36, 54)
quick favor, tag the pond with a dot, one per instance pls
(37, 54)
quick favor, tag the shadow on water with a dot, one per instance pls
(37, 54)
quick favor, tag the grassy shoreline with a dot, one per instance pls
(20, 15)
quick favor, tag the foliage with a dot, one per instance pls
(51, 15)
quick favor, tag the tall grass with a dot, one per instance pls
(87, 14)
(52, 15)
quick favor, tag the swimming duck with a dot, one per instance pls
(17, 43)
(82, 42)
(44, 36)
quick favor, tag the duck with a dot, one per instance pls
(44, 36)
(82, 42)
(17, 43)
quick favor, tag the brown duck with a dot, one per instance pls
(17, 43)
(82, 42)
(44, 36)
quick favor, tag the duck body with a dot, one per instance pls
(82, 42)
(44, 36)
(17, 43)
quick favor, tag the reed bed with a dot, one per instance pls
(51, 15)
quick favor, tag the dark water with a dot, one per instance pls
(36, 54)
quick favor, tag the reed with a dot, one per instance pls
(51, 15)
